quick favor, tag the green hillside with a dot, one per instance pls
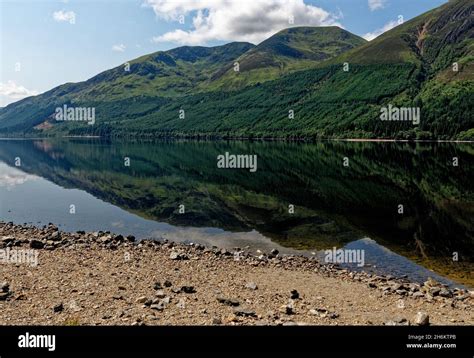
(164, 73)
(287, 51)
(408, 66)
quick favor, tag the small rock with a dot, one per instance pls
(188, 289)
(161, 305)
(318, 312)
(240, 311)
(430, 283)
(422, 319)
(228, 301)
(36, 244)
(56, 236)
(141, 299)
(434, 291)
(181, 304)
(160, 294)
(251, 286)
(395, 286)
(4, 287)
(178, 256)
(58, 308)
(294, 294)
(174, 255)
(225, 252)
(289, 309)
(400, 320)
(445, 293)
(167, 283)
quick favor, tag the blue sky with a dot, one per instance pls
(46, 43)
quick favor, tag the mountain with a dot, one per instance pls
(153, 79)
(434, 40)
(408, 66)
(287, 51)
(160, 74)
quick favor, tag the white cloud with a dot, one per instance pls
(236, 20)
(14, 179)
(388, 26)
(14, 91)
(65, 16)
(118, 48)
(376, 4)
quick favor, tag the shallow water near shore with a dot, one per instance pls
(335, 206)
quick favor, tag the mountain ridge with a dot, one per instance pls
(408, 66)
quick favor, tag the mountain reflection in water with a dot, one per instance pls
(335, 205)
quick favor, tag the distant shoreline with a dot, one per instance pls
(243, 139)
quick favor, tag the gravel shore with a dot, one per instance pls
(101, 278)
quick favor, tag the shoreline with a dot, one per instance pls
(240, 139)
(101, 278)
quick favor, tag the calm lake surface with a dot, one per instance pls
(354, 207)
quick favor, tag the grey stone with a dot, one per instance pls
(141, 299)
(56, 236)
(251, 286)
(181, 304)
(422, 319)
(178, 256)
(157, 307)
(228, 301)
(160, 294)
(434, 291)
(445, 293)
(245, 312)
